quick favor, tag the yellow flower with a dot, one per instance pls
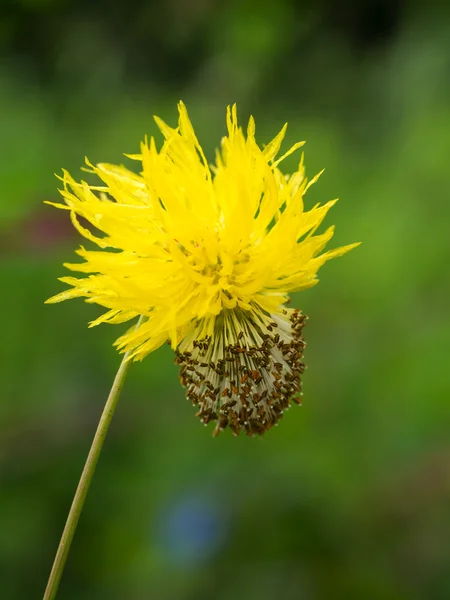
(208, 254)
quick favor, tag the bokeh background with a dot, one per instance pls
(349, 497)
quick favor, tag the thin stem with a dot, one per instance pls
(86, 478)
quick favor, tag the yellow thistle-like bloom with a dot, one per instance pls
(208, 254)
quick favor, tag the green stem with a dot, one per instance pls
(86, 478)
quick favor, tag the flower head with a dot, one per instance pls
(208, 254)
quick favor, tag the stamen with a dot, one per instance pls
(247, 373)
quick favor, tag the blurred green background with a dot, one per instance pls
(349, 498)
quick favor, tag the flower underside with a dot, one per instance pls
(209, 255)
(247, 372)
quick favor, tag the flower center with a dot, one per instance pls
(223, 276)
(246, 373)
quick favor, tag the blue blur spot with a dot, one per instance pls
(193, 529)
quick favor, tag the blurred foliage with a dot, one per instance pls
(349, 497)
